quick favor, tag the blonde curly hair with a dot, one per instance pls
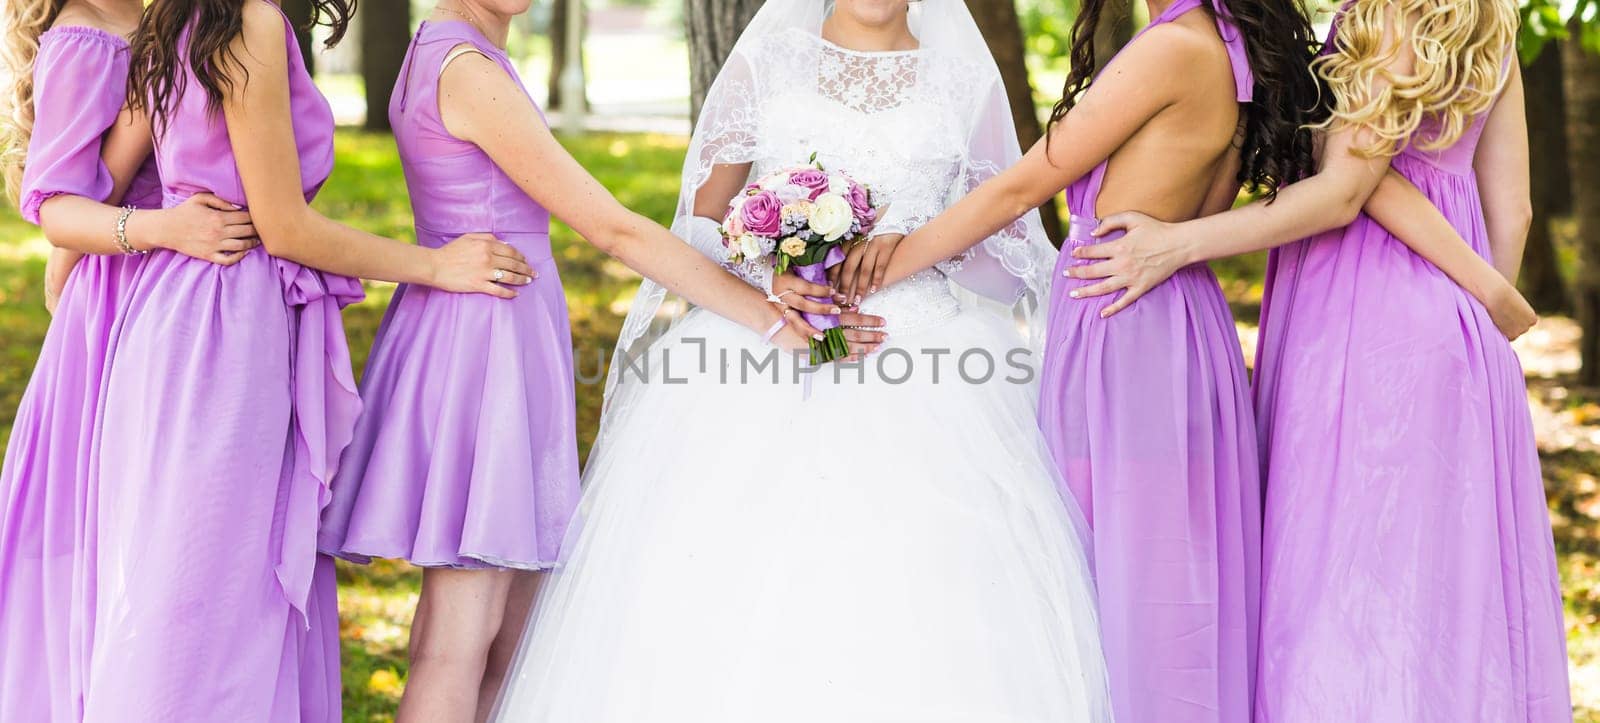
(1461, 48)
(24, 21)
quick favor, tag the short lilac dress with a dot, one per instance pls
(466, 456)
(80, 79)
(1408, 570)
(1148, 415)
(229, 400)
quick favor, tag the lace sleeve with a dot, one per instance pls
(1016, 258)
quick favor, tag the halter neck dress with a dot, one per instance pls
(1408, 570)
(229, 401)
(1148, 415)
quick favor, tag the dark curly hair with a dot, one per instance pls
(1277, 145)
(157, 58)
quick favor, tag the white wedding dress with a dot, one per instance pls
(853, 545)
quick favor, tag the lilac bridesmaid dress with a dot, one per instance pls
(1148, 415)
(1408, 571)
(229, 400)
(80, 80)
(466, 456)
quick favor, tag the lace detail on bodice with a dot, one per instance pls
(894, 121)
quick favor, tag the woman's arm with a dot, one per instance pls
(257, 108)
(482, 104)
(1151, 251)
(1416, 222)
(1501, 165)
(205, 227)
(1127, 95)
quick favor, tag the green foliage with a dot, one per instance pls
(1546, 20)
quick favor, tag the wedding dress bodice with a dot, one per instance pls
(892, 120)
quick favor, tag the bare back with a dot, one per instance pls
(1183, 162)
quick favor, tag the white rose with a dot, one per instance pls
(789, 193)
(750, 246)
(792, 246)
(837, 184)
(774, 181)
(831, 216)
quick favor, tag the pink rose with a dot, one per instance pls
(861, 205)
(762, 214)
(811, 179)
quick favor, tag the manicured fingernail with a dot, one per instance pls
(818, 337)
(872, 290)
(1105, 313)
(858, 298)
(837, 310)
(1072, 294)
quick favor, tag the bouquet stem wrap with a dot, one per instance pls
(832, 346)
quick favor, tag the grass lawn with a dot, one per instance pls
(368, 190)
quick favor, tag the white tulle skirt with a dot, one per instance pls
(876, 547)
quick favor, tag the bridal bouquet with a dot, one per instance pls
(800, 219)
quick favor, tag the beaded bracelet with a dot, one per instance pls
(121, 237)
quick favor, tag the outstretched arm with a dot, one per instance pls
(1152, 250)
(257, 108)
(483, 104)
(1126, 96)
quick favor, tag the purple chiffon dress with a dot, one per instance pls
(80, 80)
(229, 400)
(1148, 415)
(466, 456)
(1408, 571)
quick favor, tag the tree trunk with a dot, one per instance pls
(558, 50)
(1582, 71)
(1002, 30)
(712, 28)
(385, 35)
(1552, 190)
(299, 12)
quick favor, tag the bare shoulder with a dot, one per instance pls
(263, 34)
(469, 72)
(1190, 39)
(77, 13)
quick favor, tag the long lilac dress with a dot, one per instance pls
(80, 79)
(229, 400)
(1148, 415)
(467, 453)
(1408, 571)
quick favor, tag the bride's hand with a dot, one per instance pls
(791, 291)
(864, 267)
(1150, 253)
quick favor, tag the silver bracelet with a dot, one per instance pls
(121, 237)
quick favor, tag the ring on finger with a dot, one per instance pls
(499, 275)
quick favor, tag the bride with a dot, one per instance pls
(874, 541)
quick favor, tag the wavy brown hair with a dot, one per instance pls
(1276, 145)
(25, 21)
(1461, 49)
(159, 59)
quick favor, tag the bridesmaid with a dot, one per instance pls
(1408, 572)
(69, 63)
(465, 461)
(230, 396)
(1149, 416)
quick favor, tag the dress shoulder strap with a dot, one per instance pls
(464, 49)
